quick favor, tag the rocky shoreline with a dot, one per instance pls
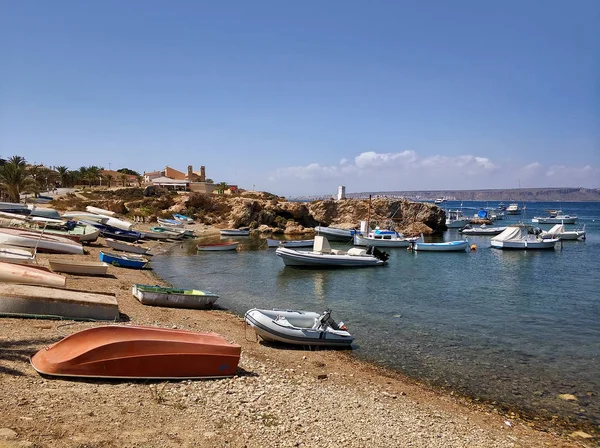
(281, 396)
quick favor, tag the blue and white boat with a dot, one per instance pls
(448, 246)
(123, 260)
(169, 222)
(115, 233)
(384, 238)
(182, 218)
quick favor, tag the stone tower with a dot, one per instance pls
(190, 172)
(202, 174)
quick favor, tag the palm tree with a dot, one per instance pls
(221, 187)
(109, 178)
(124, 179)
(62, 175)
(14, 177)
(93, 174)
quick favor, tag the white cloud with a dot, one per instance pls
(372, 159)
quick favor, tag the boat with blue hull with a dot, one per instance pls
(448, 246)
(123, 260)
(131, 236)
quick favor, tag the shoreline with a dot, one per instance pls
(282, 397)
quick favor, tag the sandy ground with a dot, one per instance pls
(281, 396)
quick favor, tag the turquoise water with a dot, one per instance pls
(516, 328)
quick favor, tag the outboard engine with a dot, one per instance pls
(383, 256)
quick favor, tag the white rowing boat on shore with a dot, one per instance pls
(78, 267)
(30, 275)
(37, 239)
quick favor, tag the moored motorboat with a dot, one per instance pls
(559, 231)
(447, 246)
(335, 234)
(173, 297)
(40, 301)
(555, 217)
(383, 238)
(298, 327)
(30, 275)
(119, 351)
(456, 219)
(126, 247)
(518, 237)
(481, 230)
(235, 232)
(513, 209)
(290, 243)
(80, 267)
(323, 256)
(231, 245)
(123, 260)
(39, 240)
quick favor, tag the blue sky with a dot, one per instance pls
(297, 98)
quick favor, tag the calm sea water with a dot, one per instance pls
(516, 328)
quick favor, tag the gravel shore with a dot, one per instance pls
(281, 396)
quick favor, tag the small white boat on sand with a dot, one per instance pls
(235, 232)
(559, 231)
(299, 327)
(86, 216)
(80, 267)
(323, 256)
(99, 211)
(173, 297)
(17, 255)
(169, 222)
(30, 275)
(518, 237)
(289, 243)
(127, 247)
(218, 246)
(37, 239)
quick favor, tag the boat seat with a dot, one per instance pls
(357, 251)
(337, 252)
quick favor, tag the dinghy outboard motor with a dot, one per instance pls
(383, 256)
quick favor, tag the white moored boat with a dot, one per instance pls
(456, 219)
(43, 242)
(555, 217)
(482, 230)
(513, 209)
(30, 275)
(518, 237)
(126, 247)
(298, 327)
(79, 267)
(383, 238)
(218, 246)
(559, 231)
(322, 255)
(448, 246)
(17, 255)
(235, 232)
(335, 234)
(99, 211)
(289, 243)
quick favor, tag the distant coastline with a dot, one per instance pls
(565, 194)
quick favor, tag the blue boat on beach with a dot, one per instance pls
(124, 260)
(131, 236)
(182, 218)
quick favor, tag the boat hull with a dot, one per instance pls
(557, 220)
(30, 275)
(525, 245)
(479, 231)
(99, 211)
(123, 261)
(289, 243)
(43, 242)
(335, 234)
(126, 247)
(298, 258)
(173, 298)
(234, 232)
(360, 240)
(450, 246)
(36, 301)
(218, 246)
(79, 267)
(16, 255)
(139, 352)
(294, 327)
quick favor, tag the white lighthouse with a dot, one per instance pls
(341, 193)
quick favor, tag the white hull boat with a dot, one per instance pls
(43, 242)
(234, 232)
(518, 238)
(126, 247)
(169, 222)
(448, 246)
(559, 231)
(298, 327)
(172, 297)
(384, 238)
(79, 267)
(30, 275)
(334, 233)
(35, 301)
(289, 243)
(218, 246)
(150, 235)
(456, 219)
(323, 256)
(86, 216)
(513, 209)
(17, 255)
(482, 230)
(555, 217)
(99, 211)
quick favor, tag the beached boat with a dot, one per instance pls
(555, 217)
(513, 209)
(383, 238)
(119, 351)
(169, 222)
(518, 237)
(126, 247)
(39, 301)
(173, 297)
(183, 218)
(290, 243)
(17, 255)
(232, 245)
(235, 232)
(151, 235)
(80, 267)
(323, 256)
(86, 216)
(559, 231)
(77, 232)
(447, 246)
(99, 211)
(108, 231)
(482, 230)
(335, 234)
(171, 233)
(123, 260)
(298, 327)
(41, 241)
(42, 212)
(456, 219)
(16, 208)
(30, 275)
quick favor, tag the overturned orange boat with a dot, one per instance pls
(119, 351)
